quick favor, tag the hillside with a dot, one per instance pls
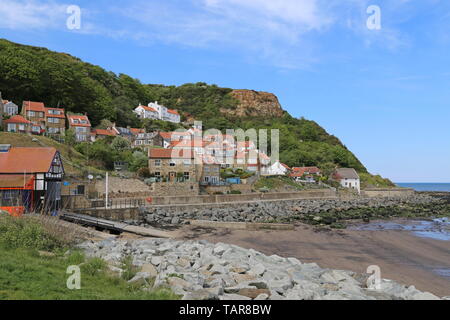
(75, 164)
(59, 79)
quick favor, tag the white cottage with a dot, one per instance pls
(348, 178)
(278, 169)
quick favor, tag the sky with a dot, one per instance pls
(374, 73)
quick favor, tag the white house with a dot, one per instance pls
(145, 112)
(278, 169)
(348, 178)
(157, 111)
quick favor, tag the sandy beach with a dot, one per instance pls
(401, 255)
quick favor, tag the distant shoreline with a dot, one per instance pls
(426, 186)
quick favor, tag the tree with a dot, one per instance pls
(120, 144)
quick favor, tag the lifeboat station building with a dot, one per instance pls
(30, 180)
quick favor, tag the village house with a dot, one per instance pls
(81, 125)
(278, 169)
(210, 171)
(146, 112)
(305, 174)
(145, 140)
(30, 179)
(50, 120)
(34, 112)
(168, 165)
(17, 124)
(348, 178)
(97, 134)
(123, 132)
(55, 121)
(157, 112)
(9, 108)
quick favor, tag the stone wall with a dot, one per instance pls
(122, 188)
(251, 197)
(387, 192)
(184, 189)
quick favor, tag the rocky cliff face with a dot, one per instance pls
(255, 104)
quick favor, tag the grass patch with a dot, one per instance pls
(25, 275)
(28, 273)
(277, 183)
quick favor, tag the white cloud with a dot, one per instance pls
(30, 14)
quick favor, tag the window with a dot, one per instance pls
(186, 176)
(172, 163)
(21, 127)
(158, 174)
(11, 127)
(31, 113)
(53, 120)
(157, 162)
(187, 162)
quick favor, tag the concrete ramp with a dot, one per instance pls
(114, 226)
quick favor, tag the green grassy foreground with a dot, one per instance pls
(29, 273)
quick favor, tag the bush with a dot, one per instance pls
(235, 192)
(26, 233)
(143, 173)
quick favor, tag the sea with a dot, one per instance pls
(440, 187)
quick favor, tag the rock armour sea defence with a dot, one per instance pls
(199, 270)
(268, 211)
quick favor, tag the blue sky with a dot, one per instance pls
(384, 93)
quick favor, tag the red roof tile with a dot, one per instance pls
(136, 131)
(172, 111)
(33, 106)
(170, 154)
(79, 118)
(26, 160)
(17, 119)
(103, 132)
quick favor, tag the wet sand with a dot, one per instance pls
(402, 256)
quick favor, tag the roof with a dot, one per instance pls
(136, 131)
(303, 170)
(166, 135)
(345, 173)
(30, 160)
(197, 143)
(47, 114)
(147, 108)
(16, 181)
(172, 111)
(285, 165)
(103, 132)
(17, 119)
(72, 117)
(170, 154)
(34, 106)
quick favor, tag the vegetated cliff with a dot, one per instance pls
(59, 79)
(255, 104)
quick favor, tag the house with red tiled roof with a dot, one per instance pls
(157, 111)
(34, 112)
(17, 124)
(305, 174)
(81, 125)
(44, 119)
(102, 133)
(30, 179)
(172, 165)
